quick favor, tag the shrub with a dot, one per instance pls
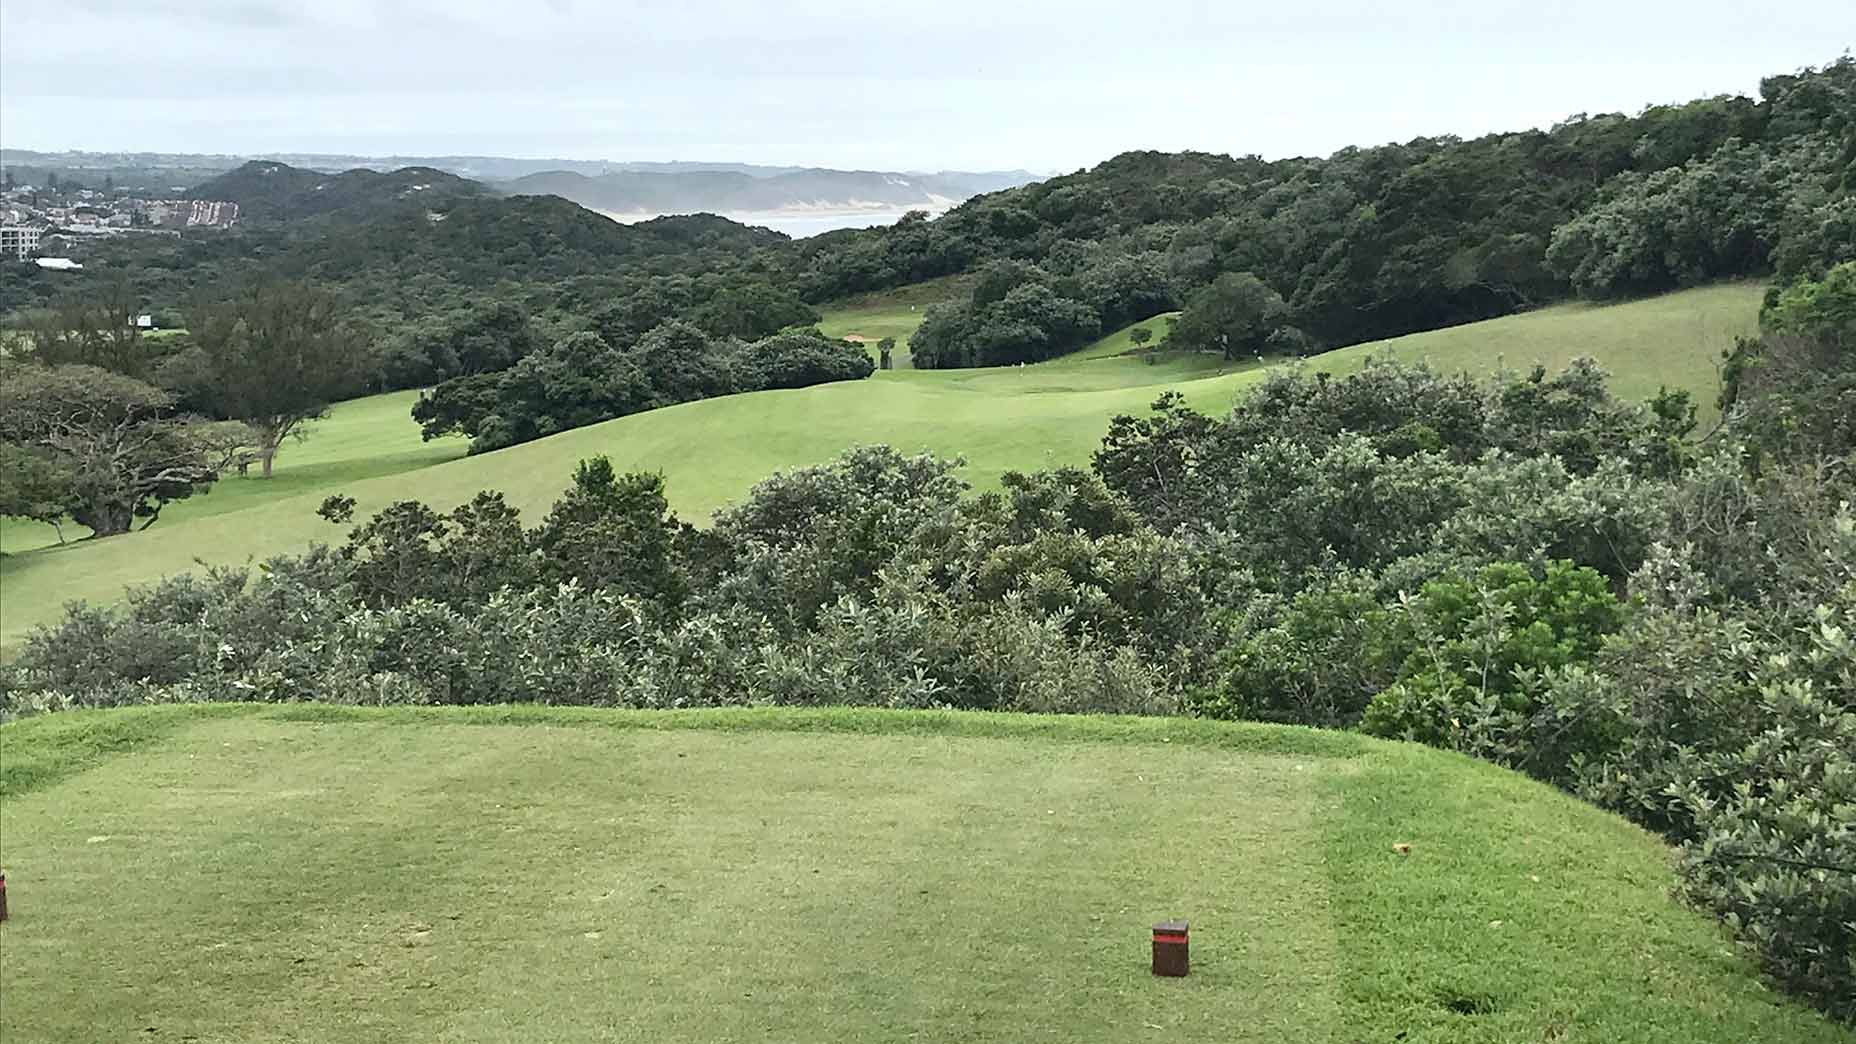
(1776, 855)
(799, 359)
(1314, 658)
(1478, 646)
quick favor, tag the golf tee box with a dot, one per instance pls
(1170, 956)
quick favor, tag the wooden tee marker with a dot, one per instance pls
(1170, 957)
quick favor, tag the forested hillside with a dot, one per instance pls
(269, 191)
(1367, 243)
(1376, 242)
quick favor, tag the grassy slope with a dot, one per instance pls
(896, 313)
(360, 439)
(1020, 418)
(1674, 341)
(493, 874)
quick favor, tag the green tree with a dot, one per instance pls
(1821, 308)
(275, 357)
(1235, 316)
(799, 359)
(116, 440)
(1139, 336)
(614, 532)
(96, 330)
(1792, 390)
(36, 485)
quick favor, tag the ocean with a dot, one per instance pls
(796, 223)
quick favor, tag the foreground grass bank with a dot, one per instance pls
(496, 874)
(1011, 418)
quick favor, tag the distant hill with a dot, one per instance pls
(672, 189)
(159, 171)
(480, 241)
(266, 190)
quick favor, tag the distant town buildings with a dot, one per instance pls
(19, 241)
(212, 213)
(31, 217)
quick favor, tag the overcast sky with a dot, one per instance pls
(967, 84)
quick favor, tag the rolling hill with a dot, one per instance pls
(270, 191)
(525, 873)
(164, 170)
(712, 451)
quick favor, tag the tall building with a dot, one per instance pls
(217, 213)
(19, 241)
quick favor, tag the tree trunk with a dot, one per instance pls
(265, 457)
(105, 519)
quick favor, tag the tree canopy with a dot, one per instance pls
(274, 356)
(102, 447)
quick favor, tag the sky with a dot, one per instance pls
(948, 84)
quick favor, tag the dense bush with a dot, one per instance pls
(1475, 646)
(585, 378)
(1314, 658)
(1793, 388)
(799, 359)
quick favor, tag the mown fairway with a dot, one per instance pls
(896, 313)
(308, 874)
(1021, 418)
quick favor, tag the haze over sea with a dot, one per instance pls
(798, 224)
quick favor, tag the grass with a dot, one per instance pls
(1676, 341)
(511, 874)
(360, 439)
(711, 452)
(869, 318)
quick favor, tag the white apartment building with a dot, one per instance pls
(19, 241)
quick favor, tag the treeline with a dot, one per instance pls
(414, 272)
(531, 315)
(1376, 242)
(1363, 244)
(599, 375)
(104, 426)
(1523, 568)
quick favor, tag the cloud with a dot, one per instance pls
(954, 83)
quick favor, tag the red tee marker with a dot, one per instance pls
(1170, 957)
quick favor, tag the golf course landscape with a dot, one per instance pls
(237, 873)
(711, 451)
(1326, 570)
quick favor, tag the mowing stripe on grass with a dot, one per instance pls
(255, 879)
(308, 872)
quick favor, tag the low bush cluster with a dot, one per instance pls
(588, 377)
